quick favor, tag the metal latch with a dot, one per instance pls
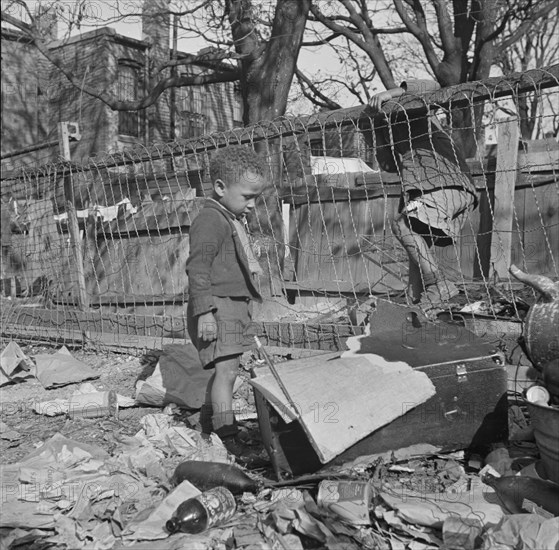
(461, 372)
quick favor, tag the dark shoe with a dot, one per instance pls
(438, 295)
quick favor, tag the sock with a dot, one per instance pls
(224, 424)
(206, 413)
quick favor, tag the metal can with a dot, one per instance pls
(349, 500)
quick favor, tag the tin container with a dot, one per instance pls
(349, 500)
(93, 405)
(545, 421)
(540, 325)
(537, 394)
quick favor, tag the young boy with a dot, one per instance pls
(220, 271)
(437, 191)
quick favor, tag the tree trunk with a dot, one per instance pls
(267, 72)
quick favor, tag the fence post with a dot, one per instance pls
(73, 227)
(505, 182)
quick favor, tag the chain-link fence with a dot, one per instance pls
(95, 252)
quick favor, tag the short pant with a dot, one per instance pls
(439, 216)
(235, 330)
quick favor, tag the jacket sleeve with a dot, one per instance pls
(206, 237)
(420, 86)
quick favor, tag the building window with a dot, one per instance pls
(191, 125)
(317, 147)
(237, 106)
(191, 116)
(128, 85)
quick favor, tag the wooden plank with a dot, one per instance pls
(331, 237)
(310, 194)
(100, 340)
(505, 180)
(323, 336)
(129, 299)
(320, 286)
(342, 246)
(540, 232)
(314, 194)
(540, 154)
(77, 254)
(146, 266)
(40, 333)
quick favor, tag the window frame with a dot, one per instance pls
(129, 120)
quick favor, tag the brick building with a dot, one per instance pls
(36, 96)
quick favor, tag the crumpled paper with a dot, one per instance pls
(32, 488)
(467, 500)
(14, 364)
(158, 432)
(153, 526)
(60, 369)
(8, 433)
(523, 532)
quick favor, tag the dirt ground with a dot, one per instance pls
(116, 371)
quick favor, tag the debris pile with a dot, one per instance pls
(142, 489)
(73, 495)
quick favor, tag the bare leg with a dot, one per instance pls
(221, 395)
(415, 282)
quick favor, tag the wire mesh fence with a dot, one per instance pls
(95, 252)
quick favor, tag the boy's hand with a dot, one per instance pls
(378, 99)
(207, 327)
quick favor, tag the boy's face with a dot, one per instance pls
(239, 197)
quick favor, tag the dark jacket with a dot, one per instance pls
(405, 134)
(217, 264)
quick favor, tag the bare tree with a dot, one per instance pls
(539, 48)
(261, 46)
(459, 40)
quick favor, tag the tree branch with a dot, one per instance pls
(445, 26)
(364, 38)
(322, 41)
(210, 59)
(525, 26)
(419, 29)
(325, 101)
(106, 97)
(339, 29)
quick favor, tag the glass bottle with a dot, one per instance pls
(202, 512)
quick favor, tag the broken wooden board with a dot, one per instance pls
(341, 400)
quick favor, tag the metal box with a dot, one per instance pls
(468, 411)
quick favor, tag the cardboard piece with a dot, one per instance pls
(178, 378)
(340, 400)
(34, 487)
(60, 369)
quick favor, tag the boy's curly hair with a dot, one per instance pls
(229, 163)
